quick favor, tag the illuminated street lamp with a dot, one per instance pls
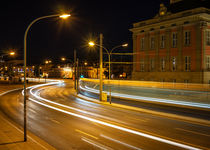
(109, 53)
(63, 59)
(101, 57)
(12, 53)
(63, 16)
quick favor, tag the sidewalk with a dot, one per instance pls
(11, 134)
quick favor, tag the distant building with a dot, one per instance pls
(174, 46)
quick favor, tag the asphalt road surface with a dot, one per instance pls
(80, 124)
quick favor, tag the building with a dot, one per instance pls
(174, 46)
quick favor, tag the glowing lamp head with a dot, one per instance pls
(125, 45)
(63, 58)
(64, 16)
(12, 53)
(91, 44)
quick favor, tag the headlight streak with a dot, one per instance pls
(199, 105)
(118, 127)
(72, 108)
(109, 124)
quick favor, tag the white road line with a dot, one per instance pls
(119, 127)
(55, 121)
(125, 144)
(194, 132)
(96, 144)
(10, 91)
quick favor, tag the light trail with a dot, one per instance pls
(118, 127)
(117, 141)
(109, 124)
(159, 100)
(72, 108)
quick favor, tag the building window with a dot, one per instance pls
(174, 40)
(208, 38)
(152, 64)
(162, 41)
(187, 63)
(152, 42)
(163, 64)
(187, 38)
(142, 43)
(173, 63)
(208, 63)
(141, 65)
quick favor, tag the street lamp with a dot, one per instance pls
(63, 16)
(101, 57)
(12, 53)
(63, 59)
(109, 53)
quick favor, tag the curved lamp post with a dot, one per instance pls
(109, 53)
(101, 55)
(64, 16)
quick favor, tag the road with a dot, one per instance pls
(80, 124)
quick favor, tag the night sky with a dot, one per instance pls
(53, 38)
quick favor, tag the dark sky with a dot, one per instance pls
(53, 38)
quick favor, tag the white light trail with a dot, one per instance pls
(72, 108)
(118, 127)
(108, 124)
(168, 101)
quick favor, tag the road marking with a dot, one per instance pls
(55, 121)
(86, 134)
(10, 91)
(193, 132)
(128, 145)
(96, 144)
(119, 127)
(33, 111)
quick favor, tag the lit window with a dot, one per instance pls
(162, 41)
(142, 43)
(174, 39)
(152, 42)
(152, 64)
(174, 64)
(142, 65)
(208, 63)
(187, 63)
(163, 64)
(187, 38)
(208, 37)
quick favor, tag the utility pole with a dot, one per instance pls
(77, 89)
(75, 74)
(101, 65)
